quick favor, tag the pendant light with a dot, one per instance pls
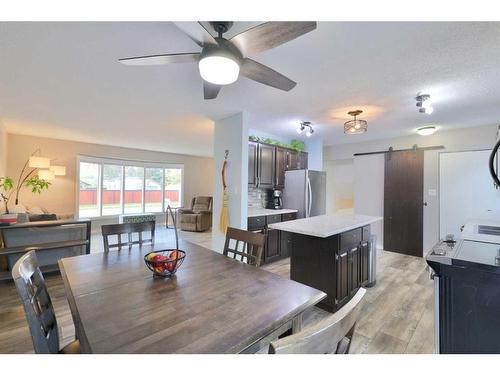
(355, 126)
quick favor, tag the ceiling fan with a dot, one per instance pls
(221, 60)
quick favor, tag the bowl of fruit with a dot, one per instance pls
(164, 262)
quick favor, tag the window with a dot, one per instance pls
(112, 187)
(173, 187)
(152, 189)
(134, 181)
(89, 190)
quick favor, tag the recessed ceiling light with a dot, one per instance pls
(426, 130)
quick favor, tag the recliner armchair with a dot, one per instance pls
(199, 217)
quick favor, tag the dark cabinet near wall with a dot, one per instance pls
(267, 164)
(252, 163)
(278, 243)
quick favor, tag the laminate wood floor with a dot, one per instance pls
(397, 317)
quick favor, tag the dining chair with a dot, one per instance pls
(38, 307)
(331, 335)
(129, 229)
(252, 246)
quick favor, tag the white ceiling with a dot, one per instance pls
(63, 80)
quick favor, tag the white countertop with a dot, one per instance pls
(253, 212)
(325, 225)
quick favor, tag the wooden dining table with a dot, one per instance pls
(213, 304)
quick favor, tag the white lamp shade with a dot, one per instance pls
(219, 70)
(59, 170)
(46, 174)
(39, 162)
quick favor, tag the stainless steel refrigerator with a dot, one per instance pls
(305, 191)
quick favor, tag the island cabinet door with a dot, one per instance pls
(363, 263)
(342, 268)
(272, 250)
(354, 265)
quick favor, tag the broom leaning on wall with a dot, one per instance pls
(224, 213)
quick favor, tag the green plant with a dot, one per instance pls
(36, 184)
(297, 145)
(294, 145)
(6, 184)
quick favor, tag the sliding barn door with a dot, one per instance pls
(403, 202)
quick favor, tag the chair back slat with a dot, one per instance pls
(128, 229)
(37, 304)
(331, 335)
(252, 248)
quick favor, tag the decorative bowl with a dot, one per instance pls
(164, 262)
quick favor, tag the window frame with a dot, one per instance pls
(101, 161)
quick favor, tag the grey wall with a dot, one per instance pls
(475, 138)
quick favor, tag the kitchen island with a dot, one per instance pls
(330, 253)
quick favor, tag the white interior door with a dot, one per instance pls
(466, 189)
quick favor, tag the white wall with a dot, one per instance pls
(474, 138)
(314, 148)
(3, 156)
(339, 184)
(369, 190)
(232, 134)
(3, 150)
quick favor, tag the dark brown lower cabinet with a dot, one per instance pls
(278, 244)
(342, 267)
(363, 263)
(337, 265)
(354, 265)
(272, 250)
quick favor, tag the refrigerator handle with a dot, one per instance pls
(310, 197)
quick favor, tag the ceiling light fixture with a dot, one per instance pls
(424, 103)
(355, 126)
(219, 70)
(303, 125)
(426, 130)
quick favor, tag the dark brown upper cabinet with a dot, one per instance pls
(267, 164)
(252, 163)
(281, 158)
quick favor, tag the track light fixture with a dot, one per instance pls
(303, 125)
(424, 103)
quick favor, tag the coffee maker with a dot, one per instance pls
(274, 199)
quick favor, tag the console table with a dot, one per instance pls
(52, 240)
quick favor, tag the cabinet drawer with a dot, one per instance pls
(288, 217)
(273, 219)
(256, 223)
(366, 233)
(350, 239)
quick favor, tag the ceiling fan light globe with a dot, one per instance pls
(429, 110)
(299, 130)
(219, 70)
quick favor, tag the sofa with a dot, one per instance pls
(197, 218)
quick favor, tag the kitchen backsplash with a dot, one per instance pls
(257, 198)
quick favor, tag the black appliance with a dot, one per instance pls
(274, 199)
(466, 276)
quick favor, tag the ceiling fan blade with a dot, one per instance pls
(210, 91)
(197, 31)
(161, 59)
(269, 35)
(263, 74)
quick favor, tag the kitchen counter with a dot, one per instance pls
(253, 212)
(324, 226)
